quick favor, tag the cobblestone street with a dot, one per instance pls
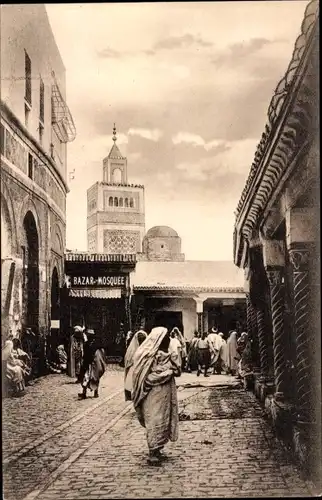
(58, 447)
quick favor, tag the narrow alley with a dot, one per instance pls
(96, 449)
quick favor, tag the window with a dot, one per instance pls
(41, 101)
(41, 133)
(27, 78)
(126, 203)
(2, 135)
(116, 202)
(110, 201)
(30, 166)
(121, 202)
(131, 203)
(27, 114)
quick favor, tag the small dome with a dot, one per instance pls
(161, 232)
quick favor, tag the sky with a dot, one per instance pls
(188, 85)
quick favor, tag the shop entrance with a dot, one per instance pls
(105, 317)
(168, 319)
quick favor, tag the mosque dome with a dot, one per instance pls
(161, 232)
(162, 243)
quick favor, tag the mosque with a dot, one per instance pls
(160, 287)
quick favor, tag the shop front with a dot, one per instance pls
(96, 295)
(191, 295)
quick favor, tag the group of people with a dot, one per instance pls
(210, 351)
(152, 362)
(16, 366)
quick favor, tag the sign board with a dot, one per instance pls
(107, 280)
(114, 293)
(55, 323)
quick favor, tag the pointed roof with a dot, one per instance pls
(115, 152)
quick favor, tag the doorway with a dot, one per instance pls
(168, 319)
(31, 272)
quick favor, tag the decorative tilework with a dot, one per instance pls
(119, 241)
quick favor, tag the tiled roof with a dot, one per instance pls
(99, 257)
(116, 153)
(280, 94)
(191, 274)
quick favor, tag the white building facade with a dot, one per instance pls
(36, 126)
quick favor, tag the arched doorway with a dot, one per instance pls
(55, 312)
(31, 272)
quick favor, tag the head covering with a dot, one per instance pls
(132, 348)
(221, 334)
(78, 329)
(232, 337)
(143, 360)
(90, 331)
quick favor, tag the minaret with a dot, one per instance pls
(115, 165)
(115, 208)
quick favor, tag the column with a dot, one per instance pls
(251, 323)
(199, 310)
(275, 279)
(264, 357)
(259, 297)
(301, 233)
(274, 262)
(303, 332)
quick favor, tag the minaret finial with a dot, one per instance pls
(114, 134)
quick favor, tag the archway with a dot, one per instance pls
(31, 272)
(117, 176)
(55, 295)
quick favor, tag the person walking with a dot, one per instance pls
(137, 339)
(182, 348)
(93, 366)
(154, 392)
(78, 339)
(203, 355)
(232, 354)
(214, 341)
(175, 345)
(223, 359)
(192, 363)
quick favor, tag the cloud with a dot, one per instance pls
(183, 137)
(244, 52)
(159, 77)
(108, 53)
(151, 135)
(184, 41)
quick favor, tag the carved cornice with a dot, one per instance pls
(282, 91)
(286, 135)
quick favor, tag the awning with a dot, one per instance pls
(62, 120)
(95, 293)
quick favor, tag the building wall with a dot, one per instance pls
(33, 182)
(162, 248)
(26, 29)
(185, 305)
